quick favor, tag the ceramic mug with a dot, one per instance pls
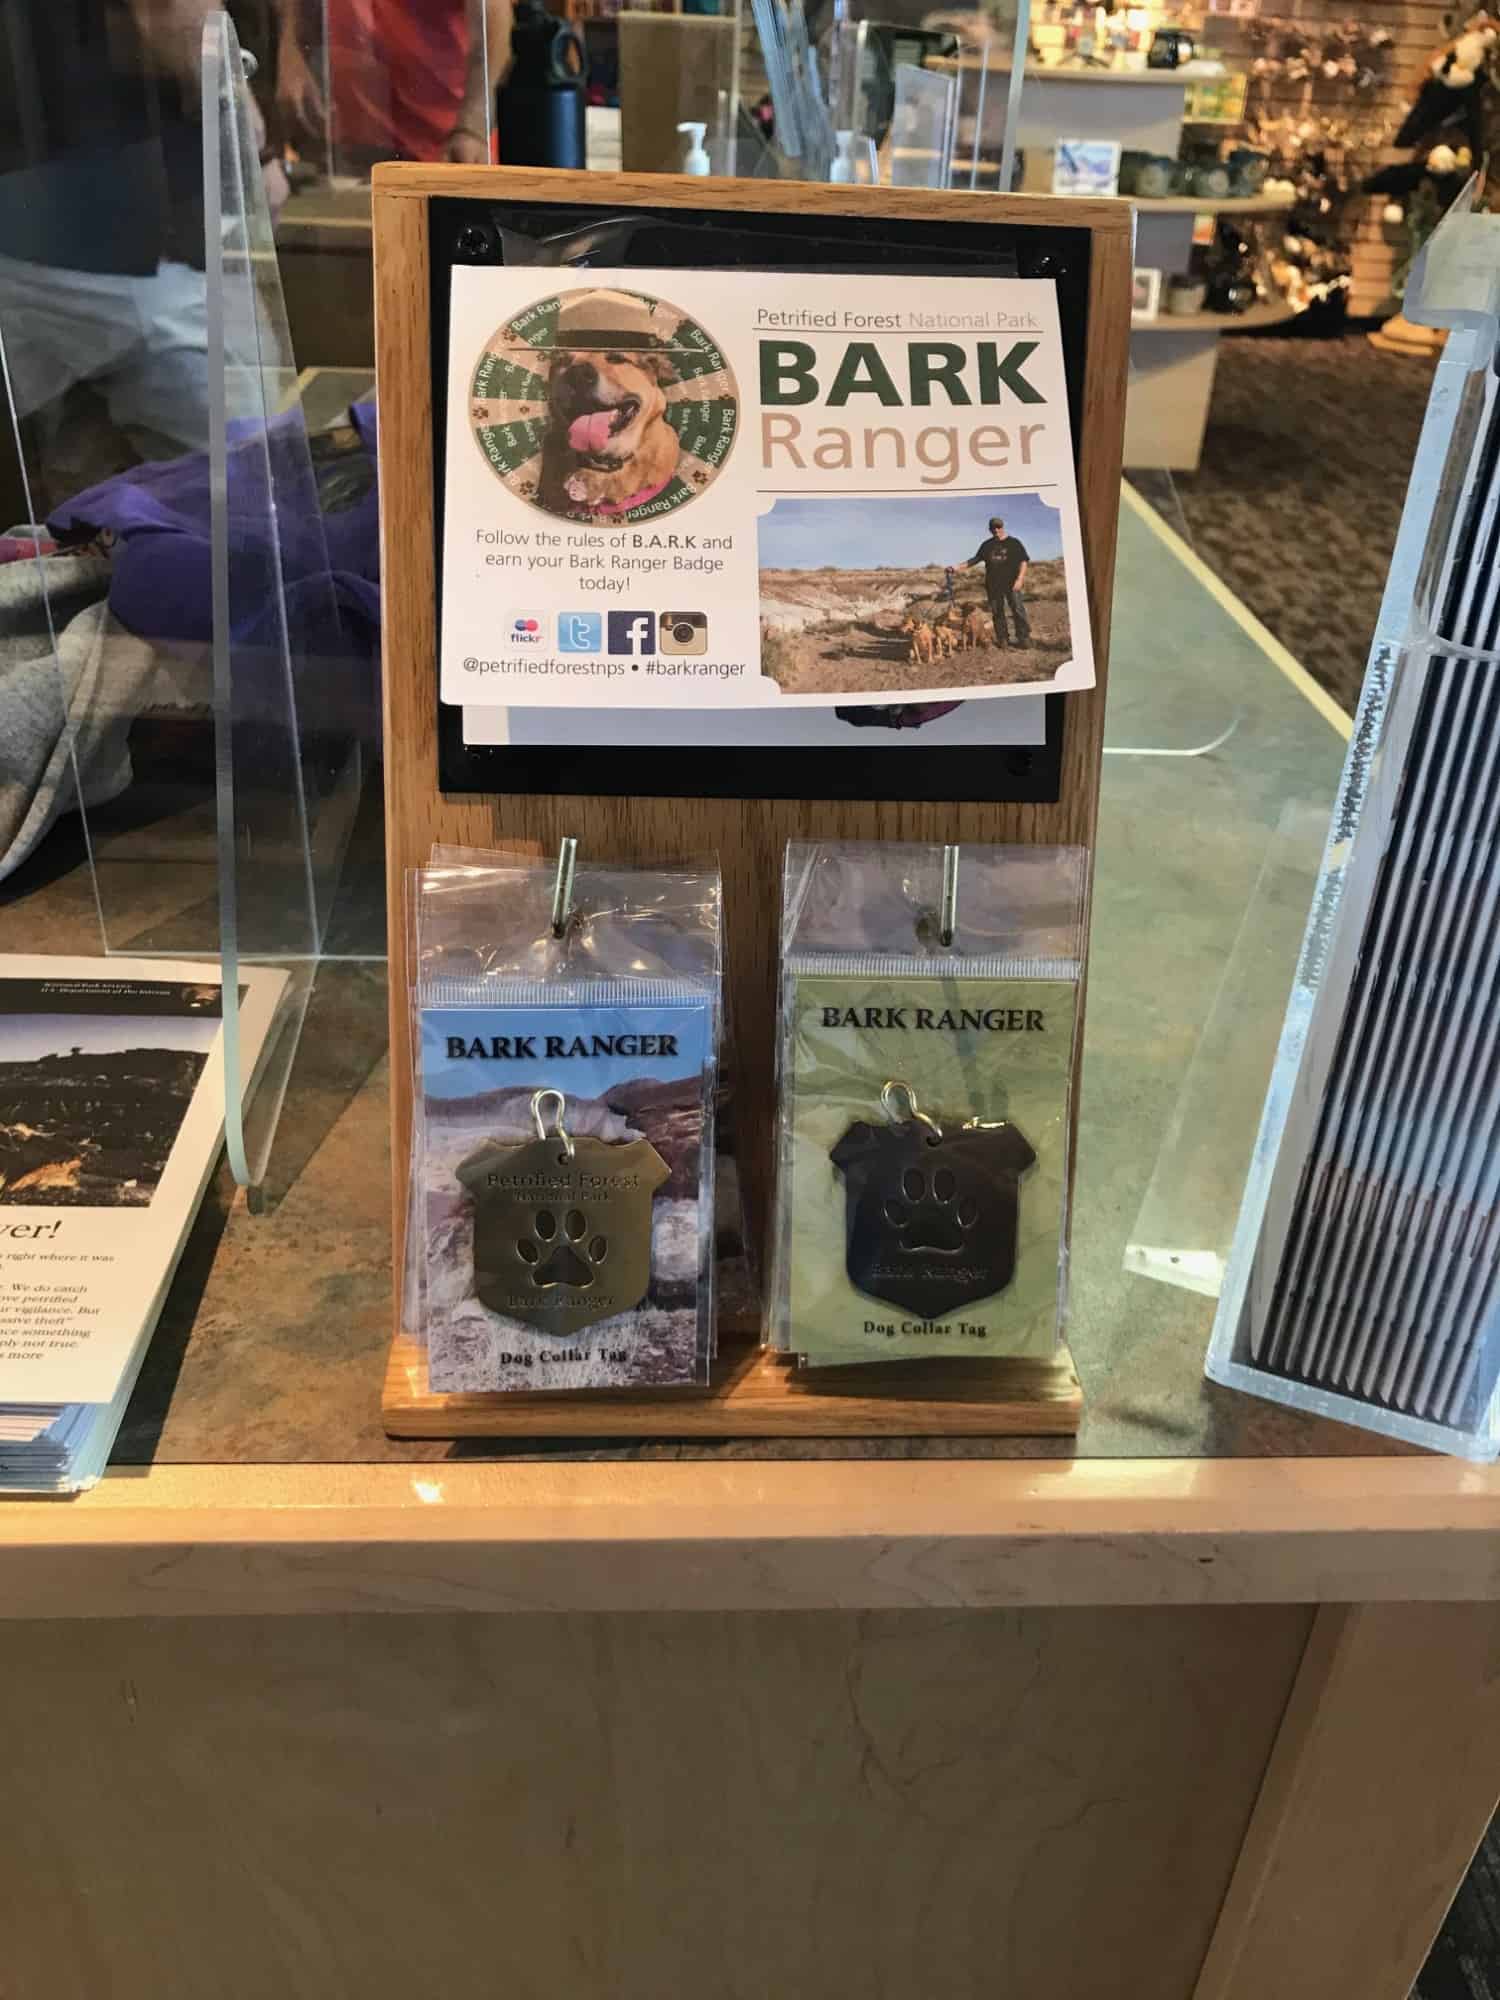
(1171, 48)
(1186, 295)
(1249, 169)
(1211, 180)
(1149, 175)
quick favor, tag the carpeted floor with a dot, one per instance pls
(1465, 1961)
(1298, 498)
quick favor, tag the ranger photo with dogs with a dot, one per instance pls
(997, 617)
(1005, 561)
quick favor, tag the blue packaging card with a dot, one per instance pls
(629, 1071)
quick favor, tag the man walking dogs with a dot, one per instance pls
(1005, 560)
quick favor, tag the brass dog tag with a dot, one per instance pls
(932, 1216)
(562, 1226)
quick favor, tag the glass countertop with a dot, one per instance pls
(273, 1342)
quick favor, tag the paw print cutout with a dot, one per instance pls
(930, 1213)
(562, 1235)
(561, 1251)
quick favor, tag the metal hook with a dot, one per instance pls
(562, 887)
(948, 918)
(889, 1091)
(538, 1099)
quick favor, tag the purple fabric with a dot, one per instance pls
(325, 522)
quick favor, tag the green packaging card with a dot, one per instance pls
(985, 1204)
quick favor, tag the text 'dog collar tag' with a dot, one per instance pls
(562, 1225)
(932, 1212)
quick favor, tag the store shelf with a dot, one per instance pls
(1272, 313)
(1060, 72)
(1202, 204)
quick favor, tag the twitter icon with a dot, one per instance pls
(579, 632)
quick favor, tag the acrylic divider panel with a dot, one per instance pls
(107, 695)
(1170, 692)
(1187, 1217)
(294, 649)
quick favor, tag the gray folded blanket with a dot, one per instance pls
(72, 680)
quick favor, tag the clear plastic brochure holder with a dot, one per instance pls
(1388, 1320)
(986, 156)
(924, 128)
(857, 97)
(295, 672)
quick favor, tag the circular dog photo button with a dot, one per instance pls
(599, 405)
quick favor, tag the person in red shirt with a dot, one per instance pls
(410, 79)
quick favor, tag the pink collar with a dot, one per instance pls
(635, 500)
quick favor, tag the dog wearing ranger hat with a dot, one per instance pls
(609, 446)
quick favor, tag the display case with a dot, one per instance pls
(1214, 1672)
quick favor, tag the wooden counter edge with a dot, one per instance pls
(411, 177)
(615, 1537)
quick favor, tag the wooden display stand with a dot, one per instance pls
(756, 1395)
(760, 1394)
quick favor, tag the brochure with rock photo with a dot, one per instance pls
(713, 490)
(563, 1194)
(111, 1118)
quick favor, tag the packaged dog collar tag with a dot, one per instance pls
(562, 1225)
(931, 1213)
(929, 1007)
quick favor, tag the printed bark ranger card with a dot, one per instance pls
(698, 490)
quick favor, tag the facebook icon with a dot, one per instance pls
(632, 632)
(579, 632)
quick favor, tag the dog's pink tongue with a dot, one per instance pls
(590, 433)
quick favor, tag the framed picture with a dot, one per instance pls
(1145, 292)
(846, 750)
(1086, 166)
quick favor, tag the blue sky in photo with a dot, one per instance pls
(893, 532)
(24, 1037)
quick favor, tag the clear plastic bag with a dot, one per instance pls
(561, 1232)
(925, 1063)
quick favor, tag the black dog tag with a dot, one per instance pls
(931, 1215)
